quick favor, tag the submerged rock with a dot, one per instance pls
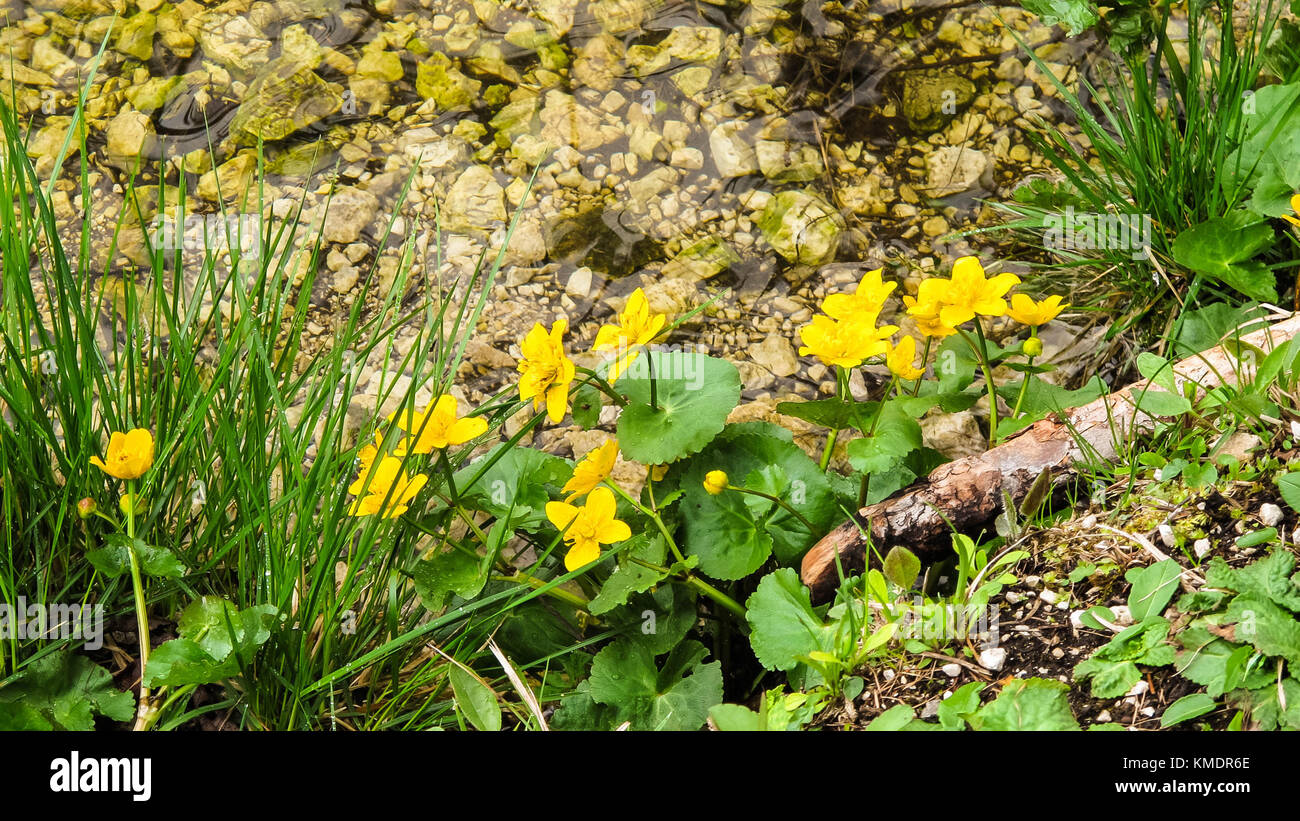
(475, 202)
(439, 79)
(802, 227)
(283, 99)
(127, 138)
(932, 98)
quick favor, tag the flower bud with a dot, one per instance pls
(715, 482)
(86, 508)
(1033, 346)
(127, 503)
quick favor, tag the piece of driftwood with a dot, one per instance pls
(968, 494)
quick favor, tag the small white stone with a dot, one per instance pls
(1139, 688)
(1201, 547)
(1048, 596)
(579, 284)
(931, 708)
(1013, 597)
(1103, 717)
(1167, 537)
(1147, 711)
(1270, 514)
(1033, 581)
(1089, 522)
(951, 670)
(888, 675)
(993, 658)
(1295, 429)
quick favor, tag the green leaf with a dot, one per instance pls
(735, 718)
(1160, 403)
(447, 572)
(515, 488)
(1110, 679)
(1223, 248)
(677, 696)
(114, 558)
(1043, 398)
(1153, 587)
(657, 620)
(1270, 577)
(1204, 328)
(1028, 704)
(586, 406)
(1075, 16)
(783, 623)
(1288, 486)
(1187, 707)
(901, 567)
(895, 718)
(1272, 630)
(1206, 658)
(897, 434)
(694, 395)
(733, 535)
(837, 414)
(215, 638)
(475, 699)
(957, 709)
(62, 691)
(630, 577)
(1266, 709)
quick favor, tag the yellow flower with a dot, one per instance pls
(924, 309)
(715, 481)
(130, 454)
(366, 456)
(658, 472)
(969, 293)
(1027, 312)
(844, 342)
(547, 372)
(389, 491)
(586, 528)
(900, 357)
(594, 468)
(636, 327)
(437, 427)
(1295, 206)
(869, 298)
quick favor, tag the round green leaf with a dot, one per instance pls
(693, 395)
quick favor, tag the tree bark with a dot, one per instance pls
(966, 495)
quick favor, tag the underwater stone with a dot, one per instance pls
(802, 227)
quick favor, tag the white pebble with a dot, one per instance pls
(1048, 596)
(1033, 581)
(1270, 514)
(1167, 537)
(951, 670)
(1201, 547)
(1139, 688)
(993, 658)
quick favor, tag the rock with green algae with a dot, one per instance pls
(297, 43)
(230, 180)
(136, 37)
(232, 41)
(701, 260)
(284, 98)
(802, 227)
(516, 118)
(439, 79)
(782, 161)
(152, 94)
(932, 98)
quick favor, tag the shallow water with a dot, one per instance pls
(776, 150)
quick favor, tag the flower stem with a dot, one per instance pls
(654, 517)
(781, 502)
(925, 357)
(981, 352)
(701, 586)
(145, 712)
(654, 392)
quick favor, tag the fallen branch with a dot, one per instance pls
(966, 495)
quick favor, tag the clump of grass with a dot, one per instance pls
(1161, 137)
